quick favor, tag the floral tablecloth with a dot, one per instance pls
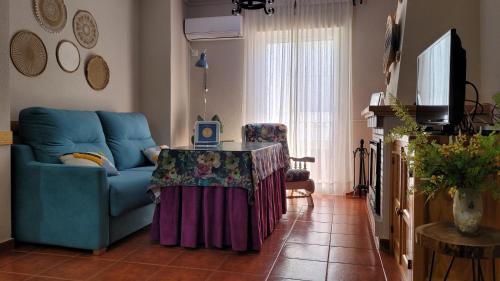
(241, 165)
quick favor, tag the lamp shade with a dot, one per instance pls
(202, 62)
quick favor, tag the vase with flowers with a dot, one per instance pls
(466, 167)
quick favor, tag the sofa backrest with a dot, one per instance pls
(54, 132)
(127, 135)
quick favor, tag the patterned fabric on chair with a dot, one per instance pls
(297, 175)
(296, 179)
(268, 132)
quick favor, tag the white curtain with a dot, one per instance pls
(298, 72)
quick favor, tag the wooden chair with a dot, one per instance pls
(297, 179)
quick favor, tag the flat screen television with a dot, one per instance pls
(441, 81)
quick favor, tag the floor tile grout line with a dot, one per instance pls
(329, 247)
(44, 270)
(113, 262)
(281, 249)
(56, 278)
(239, 272)
(102, 270)
(22, 274)
(12, 261)
(160, 268)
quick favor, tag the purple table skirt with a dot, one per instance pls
(192, 216)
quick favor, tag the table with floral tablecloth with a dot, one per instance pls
(228, 196)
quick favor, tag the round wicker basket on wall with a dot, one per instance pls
(28, 53)
(51, 14)
(97, 73)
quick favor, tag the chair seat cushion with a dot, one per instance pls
(294, 175)
(127, 191)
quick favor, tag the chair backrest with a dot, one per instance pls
(268, 132)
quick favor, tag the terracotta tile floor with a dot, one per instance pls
(328, 242)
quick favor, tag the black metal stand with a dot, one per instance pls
(362, 187)
(477, 271)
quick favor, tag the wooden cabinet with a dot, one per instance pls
(402, 206)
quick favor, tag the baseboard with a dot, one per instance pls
(7, 246)
(384, 245)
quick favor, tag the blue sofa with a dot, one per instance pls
(80, 207)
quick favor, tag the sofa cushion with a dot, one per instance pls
(128, 191)
(54, 132)
(127, 134)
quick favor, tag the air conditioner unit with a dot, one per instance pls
(214, 28)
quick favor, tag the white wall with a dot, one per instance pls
(227, 68)
(368, 35)
(490, 48)
(117, 21)
(5, 214)
(225, 85)
(163, 91)
(423, 26)
(225, 76)
(179, 76)
(154, 90)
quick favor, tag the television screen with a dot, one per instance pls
(441, 81)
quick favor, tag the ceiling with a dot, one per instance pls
(207, 2)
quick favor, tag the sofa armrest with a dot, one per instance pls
(61, 205)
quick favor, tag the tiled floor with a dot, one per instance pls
(327, 242)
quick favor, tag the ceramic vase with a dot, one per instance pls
(467, 210)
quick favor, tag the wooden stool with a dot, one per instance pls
(444, 238)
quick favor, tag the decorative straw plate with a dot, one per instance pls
(68, 56)
(85, 29)
(97, 73)
(28, 53)
(51, 14)
(392, 41)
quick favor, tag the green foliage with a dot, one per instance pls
(408, 127)
(496, 99)
(468, 162)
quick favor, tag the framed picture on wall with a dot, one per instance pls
(206, 133)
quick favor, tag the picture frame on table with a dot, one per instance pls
(377, 99)
(206, 134)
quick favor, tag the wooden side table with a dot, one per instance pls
(443, 238)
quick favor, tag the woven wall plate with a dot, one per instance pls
(68, 56)
(28, 53)
(392, 42)
(85, 29)
(97, 73)
(51, 14)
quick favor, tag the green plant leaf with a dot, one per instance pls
(468, 162)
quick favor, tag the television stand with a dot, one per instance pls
(440, 130)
